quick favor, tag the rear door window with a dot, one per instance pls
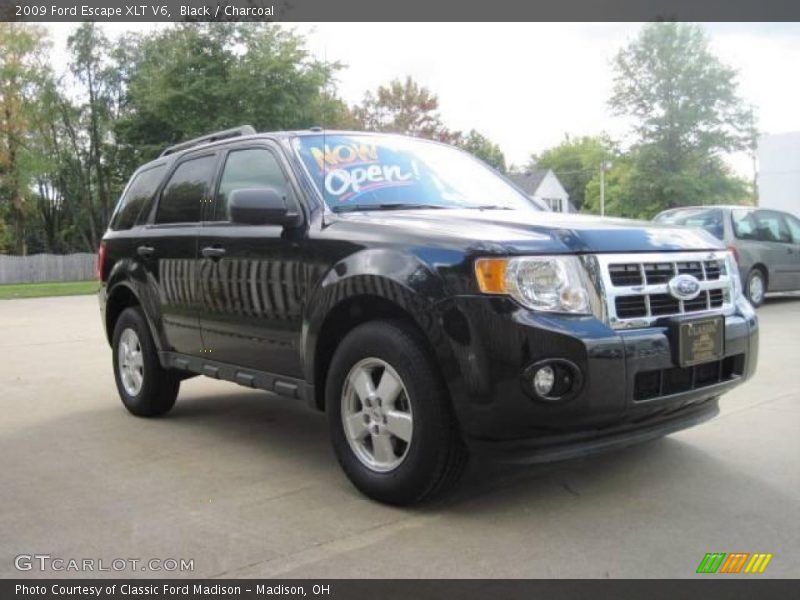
(770, 227)
(137, 198)
(187, 188)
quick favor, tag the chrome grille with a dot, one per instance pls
(636, 292)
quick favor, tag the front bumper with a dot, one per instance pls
(563, 447)
(493, 340)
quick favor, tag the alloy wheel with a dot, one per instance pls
(376, 415)
(130, 362)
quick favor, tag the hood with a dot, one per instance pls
(518, 232)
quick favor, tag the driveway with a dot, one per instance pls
(245, 484)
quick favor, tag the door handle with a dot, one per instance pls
(145, 251)
(212, 252)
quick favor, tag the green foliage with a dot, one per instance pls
(195, 78)
(481, 147)
(69, 145)
(22, 60)
(401, 107)
(405, 107)
(38, 290)
(576, 162)
(686, 114)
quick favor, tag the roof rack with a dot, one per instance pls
(207, 139)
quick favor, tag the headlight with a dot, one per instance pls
(733, 272)
(548, 283)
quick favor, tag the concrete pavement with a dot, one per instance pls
(245, 484)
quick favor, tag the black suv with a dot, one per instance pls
(419, 298)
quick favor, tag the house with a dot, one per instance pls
(778, 176)
(543, 187)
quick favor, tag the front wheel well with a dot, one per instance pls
(346, 316)
(121, 298)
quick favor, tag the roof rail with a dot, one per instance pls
(207, 139)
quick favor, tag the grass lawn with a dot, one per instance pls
(57, 288)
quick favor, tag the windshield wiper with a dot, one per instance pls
(386, 206)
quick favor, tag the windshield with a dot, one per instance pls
(382, 172)
(709, 219)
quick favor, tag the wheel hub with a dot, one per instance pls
(376, 415)
(130, 362)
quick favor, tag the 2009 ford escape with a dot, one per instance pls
(418, 298)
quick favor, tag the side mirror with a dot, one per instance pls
(260, 206)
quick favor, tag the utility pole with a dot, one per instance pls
(604, 166)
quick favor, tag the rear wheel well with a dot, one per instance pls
(120, 299)
(345, 317)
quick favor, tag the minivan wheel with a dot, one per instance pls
(146, 389)
(391, 422)
(756, 287)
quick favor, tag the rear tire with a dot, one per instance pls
(392, 426)
(146, 389)
(756, 287)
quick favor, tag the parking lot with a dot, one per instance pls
(245, 484)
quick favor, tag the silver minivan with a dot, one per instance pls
(765, 242)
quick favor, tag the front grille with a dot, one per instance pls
(665, 382)
(625, 274)
(637, 291)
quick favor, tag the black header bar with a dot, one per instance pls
(398, 10)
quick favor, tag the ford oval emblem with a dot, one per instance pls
(684, 287)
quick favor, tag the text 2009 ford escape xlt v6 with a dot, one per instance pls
(419, 299)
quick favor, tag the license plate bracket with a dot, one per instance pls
(701, 341)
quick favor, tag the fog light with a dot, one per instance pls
(552, 380)
(544, 380)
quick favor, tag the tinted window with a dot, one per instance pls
(709, 219)
(762, 225)
(182, 197)
(247, 169)
(138, 196)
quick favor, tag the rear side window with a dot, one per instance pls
(185, 191)
(709, 219)
(761, 225)
(138, 196)
(247, 169)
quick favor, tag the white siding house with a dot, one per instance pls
(779, 172)
(543, 187)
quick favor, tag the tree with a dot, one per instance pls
(94, 154)
(401, 107)
(408, 108)
(686, 114)
(21, 72)
(576, 162)
(196, 78)
(481, 147)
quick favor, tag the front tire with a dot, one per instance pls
(391, 423)
(146, 389)
(756, 287)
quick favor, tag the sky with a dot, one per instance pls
(527, 85)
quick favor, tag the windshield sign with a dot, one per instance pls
(375, 172)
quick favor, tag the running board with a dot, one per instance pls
(262, 380)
